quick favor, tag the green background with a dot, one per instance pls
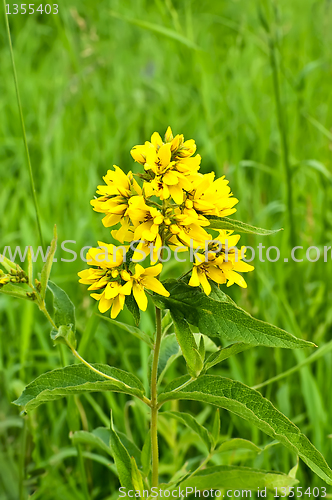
(95, 80)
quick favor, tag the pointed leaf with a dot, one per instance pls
(94, 439)
(17, 292)
(224, 353)
(136, 476)
(187, 342)
(238, 443)
(253, 407)
(121, 459)
(219, 316)
(244, 478)
(9, 265)
(46, 270)
(76, 379)
(130, 329)
(64, 309)
(216, 426)
(191, 422)
(146, 454)
(169, 351)
(133, 308)
(201, 348)
(236, 225)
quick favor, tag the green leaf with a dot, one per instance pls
(121, 459)
(216, 427)
(146, 454)
(130, 329)
(187, 342)
(133, 308)
(157, 28)
(191, 422)
(30, 267)
(244, 478)
(236, 225)
(136, 476)
(253, 407)
(98, 438)
(46, 270)
(238, 443)
(76, 379)
(224, 353)
(219, 316)
(8, 264)
(201, 348)
(169, 351)
(166, 322)
(64, 335)
(131, 447)
(64, 310)
(17, 292)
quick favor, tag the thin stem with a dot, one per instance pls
(154, 401)
(22, 461)
(32, 183)
(47, 314)
(283, 137)
(202, 464)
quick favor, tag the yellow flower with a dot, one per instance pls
(113, 297)
(146, 279)
(106, 274)
(116, 196)
(221, 266)
(212, 197)
(169, 164)
(147, 222)
(187, 228)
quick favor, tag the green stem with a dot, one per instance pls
(283, 137)
(154, 402)
(22, 492)
(32, 183)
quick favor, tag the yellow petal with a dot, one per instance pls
(164, 154)
(194, 281)
(139, 270)
(126, 289)
(234, 277)
(153, 270)
(104, 304)
(168, 135)
(176, 193)
(117, 306)
(140, 297)
(156, 140)
(205, 283)
(243, 267)
(155, 285)
(170, 178)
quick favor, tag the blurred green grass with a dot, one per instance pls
(97, 79)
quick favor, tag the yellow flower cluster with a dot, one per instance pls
(171, 207)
